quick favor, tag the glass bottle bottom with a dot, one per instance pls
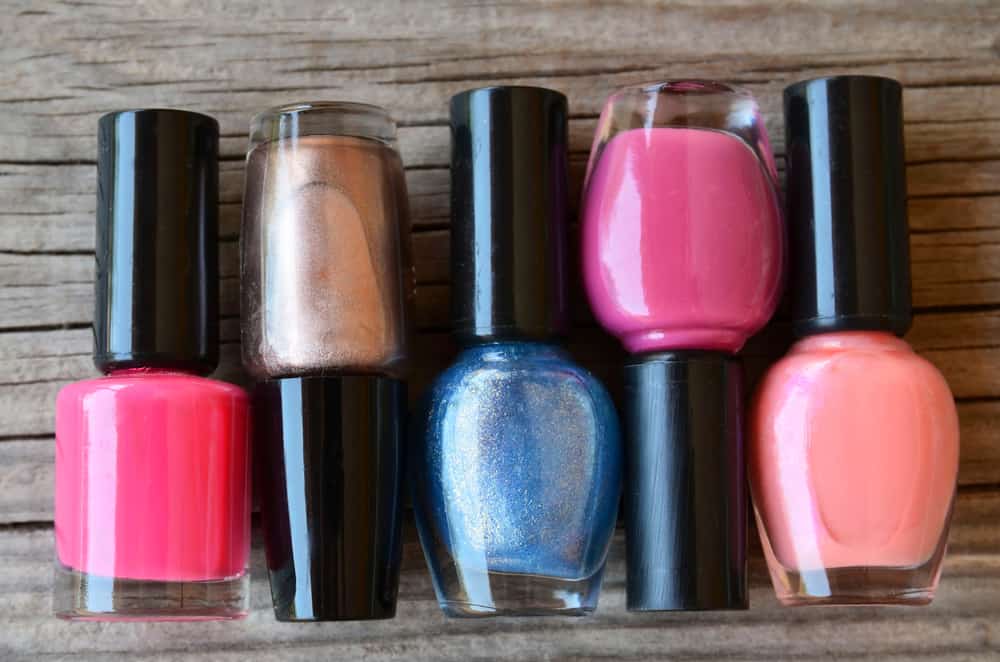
(859, 585)
(79, 596)
(856, 586)
(487, 593)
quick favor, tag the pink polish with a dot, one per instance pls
(151, 477)
(682, 241)
(853, 437)
(152, 503)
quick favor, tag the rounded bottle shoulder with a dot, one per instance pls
(852, 357)
(860, 347)
(164, 382)
(517, 362)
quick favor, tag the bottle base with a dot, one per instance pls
(485, 593)
(905, 585)
(857, 586)
(79, 596)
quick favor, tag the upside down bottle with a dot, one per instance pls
(683, 253)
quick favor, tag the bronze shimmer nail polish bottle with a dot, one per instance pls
(325, 269)
(327, 285)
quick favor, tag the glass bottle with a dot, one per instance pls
(327, 287)
(152, 504)
(853, 437)
(516, 452)
(683, 257)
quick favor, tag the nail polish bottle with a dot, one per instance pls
(326, 272)
(327, 284)
(517, 462)
(152, 503)
(853, 437)
(683, 257)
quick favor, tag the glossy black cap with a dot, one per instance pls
(508, 213)
(685, 485)
(157, 283)
(846, 180)
(330, 468)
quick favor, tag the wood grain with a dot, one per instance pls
(65, 62)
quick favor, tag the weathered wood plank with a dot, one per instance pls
(951, 267)
(958, 343)
(963, 345)
(46, 207)
(50, 208)
(949, 123)
(27, 480)
(37, 364)
(950, 214)
(961, 622)
(91, 61)
(27, 471)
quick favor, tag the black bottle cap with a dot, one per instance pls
(330, 467)
(157, 231)
(509, 207)
(685, 486)
(846, 182)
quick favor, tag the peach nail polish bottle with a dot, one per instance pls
(853, 437)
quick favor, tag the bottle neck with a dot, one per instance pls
(515, 349)
(838, 341)
(140, 372)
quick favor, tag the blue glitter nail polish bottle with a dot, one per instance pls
(516, 453)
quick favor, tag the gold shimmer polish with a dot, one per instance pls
(327, 277)
(327, 284)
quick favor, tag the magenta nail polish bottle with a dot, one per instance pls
(683, 257)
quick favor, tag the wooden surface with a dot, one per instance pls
(62, 64)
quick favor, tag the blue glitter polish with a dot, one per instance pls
(517, 481)
(517, 460)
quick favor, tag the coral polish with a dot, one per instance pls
(853, 438)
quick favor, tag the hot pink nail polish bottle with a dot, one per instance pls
(152, 503)
(853, 437)
(683, 257)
